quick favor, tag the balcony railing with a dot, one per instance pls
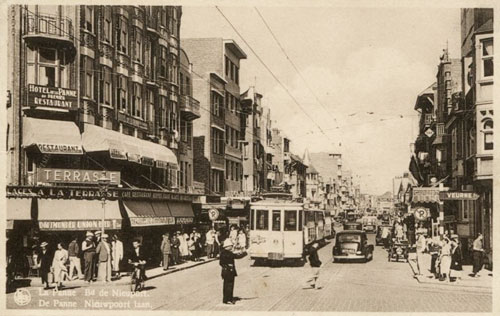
(51, 26)
(190, 106)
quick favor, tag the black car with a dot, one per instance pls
(352, 245)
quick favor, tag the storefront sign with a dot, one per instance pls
(147, 161)
(46, 192)
(130, 120)
(152, 221)
(448, 195)
(47, 175)
(161, 164)
(80, 224)
(425, 195)
(421, 213)
(213, 214)
(60, 149)
(183, 220)
(52, 97)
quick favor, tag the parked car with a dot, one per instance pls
(352, 245)
(353, 226)
(398, 250)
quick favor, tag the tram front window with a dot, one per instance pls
(276, 220)
(262, 220)
(290, 220)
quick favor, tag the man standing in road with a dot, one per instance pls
(88, 248)
(315, 264)
(477, 255)
(228, 272)
(210, 239)
(420, 250)
(166, 250)
(103, 252)
(74, 259)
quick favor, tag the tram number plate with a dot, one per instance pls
(275, 256)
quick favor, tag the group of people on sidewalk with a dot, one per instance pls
(101, 260)
(446, 256)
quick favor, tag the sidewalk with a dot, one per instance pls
(151, 273)
(484, 281)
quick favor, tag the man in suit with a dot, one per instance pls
(88, 249)
(175, 248)
(166, 250)
(103, 252)
(228, 273)
(45, 262)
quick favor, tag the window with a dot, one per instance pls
(121, 93)
(276, 220)
(108, 25)
(87, 77)
(137, 106)
(237, 75)
(262, 220)
(105, 86)
(487, 56)
(163, 62)
(162, 115)
(150, 109)
(290, 220)
(46, 67)
(228, 66)
(488, 134)
(217, 141)
(138, 45)
(300, 220)
(252, 219)
(183, 131)
(122, 41)
(216, 104)
(89, 18)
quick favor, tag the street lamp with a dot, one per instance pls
(103, 182)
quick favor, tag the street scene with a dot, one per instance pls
(182, 158)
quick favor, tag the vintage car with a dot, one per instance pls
(353, 226)
(352, 245)
(370, 223)
(378, 238)
(398, 250)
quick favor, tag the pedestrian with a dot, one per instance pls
(434, 252)
(59, 265)
(315, 265)
(386, 236)
(445, 260)
(228, 272)
(210, 240)
(116, 254)
(175, 248)
(421, 247)
(233, 234)
(191, 248)
(44, 261)
(88, 248)
(103, 254)
(242, 241)
(97, 241)
(74, 259)
(166, 250)
(196, 238)
(477, 255)
(456, 259)
(138, 256)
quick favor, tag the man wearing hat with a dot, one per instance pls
(166, 250)
(103, 252)
(228, 273)
(175, 247)
(456, 258)
(45, 262)
(88, 249)
(97, 240)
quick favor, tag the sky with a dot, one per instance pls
(359, 73)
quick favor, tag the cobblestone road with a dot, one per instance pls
(377, 286)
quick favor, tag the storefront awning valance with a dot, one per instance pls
(59, 214)
(52, 136)
(179, 209)
(19, 209)
(121, 146)
(142, 213)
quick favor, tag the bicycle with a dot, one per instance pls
(137, 278)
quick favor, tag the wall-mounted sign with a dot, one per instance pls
(421, 213)
(80, 224)
(429, 132)
(449, 195)
(52, 97)
(60, 149)
(425, 195)
(213, 214)
(47, 175)
(152, 221)
(183, 220)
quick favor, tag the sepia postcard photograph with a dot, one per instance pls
(222, 157)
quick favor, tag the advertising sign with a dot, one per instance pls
(152, 221)
(80, 224)
(183, 220)
(425, 195)
(48, 175)
(462, 196)
(52, 97)
(60, 149)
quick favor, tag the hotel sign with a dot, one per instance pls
(52, 97)
(47, 175)
(461, 196)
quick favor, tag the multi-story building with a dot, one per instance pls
(329, 166)
(267, 139)
(94, 101)
(314, 184)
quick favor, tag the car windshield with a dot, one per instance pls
(349, 238)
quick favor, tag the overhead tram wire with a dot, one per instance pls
(273, 75)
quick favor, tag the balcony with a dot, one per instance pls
(45, 28)
(190, 107)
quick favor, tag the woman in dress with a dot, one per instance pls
(183, 248)
(242, 240)
(59, 265)
(445, 259)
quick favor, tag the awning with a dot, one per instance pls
(52, 136)
(142, 213)
(121, 146)
(73, 215)
(19, 209)
(183, 212)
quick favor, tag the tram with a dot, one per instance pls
(282, 229)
